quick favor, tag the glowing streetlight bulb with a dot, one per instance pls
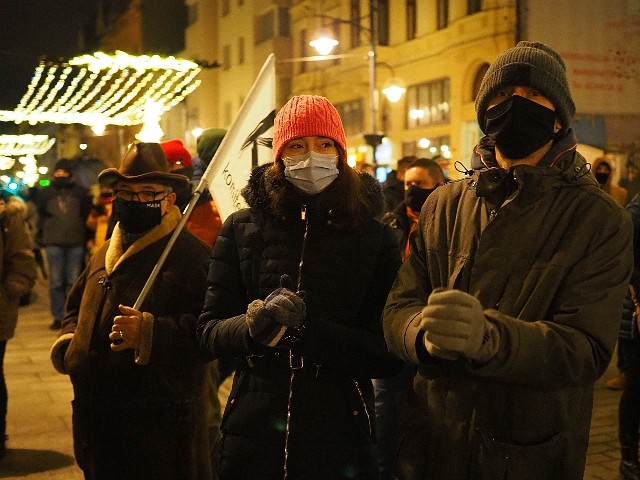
(324, 44)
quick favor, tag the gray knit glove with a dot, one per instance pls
(454, 324)
(269, 319)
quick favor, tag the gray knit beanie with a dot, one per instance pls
(531, 64)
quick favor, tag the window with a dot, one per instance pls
(428, 103)
(355, 23)
(443, 14)
(411, 19)
(431, 147)
(477, 80)
(352, 115)
(192, 13)
(474, 6)
(240, 50)
(383, 22)
(226, 57)
(274, 23)
(284, 28)
(265, 26)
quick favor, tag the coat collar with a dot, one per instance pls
(561, 166)
(115, 254)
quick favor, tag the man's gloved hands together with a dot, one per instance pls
(454, 324)
(269, 319)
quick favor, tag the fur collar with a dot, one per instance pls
(115, 254)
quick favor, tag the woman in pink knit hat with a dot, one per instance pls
(296, 289)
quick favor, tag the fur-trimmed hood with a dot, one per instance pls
(329, 204)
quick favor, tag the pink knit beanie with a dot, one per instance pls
(307, 116)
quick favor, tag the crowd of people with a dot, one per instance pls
(420, 329)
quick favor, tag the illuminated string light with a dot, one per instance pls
(102, 89)
(25, 145)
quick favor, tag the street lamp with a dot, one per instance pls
(394, 91)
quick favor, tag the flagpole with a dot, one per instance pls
(239, 121)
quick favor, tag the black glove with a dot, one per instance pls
(269, 319)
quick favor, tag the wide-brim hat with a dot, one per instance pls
(143, 162)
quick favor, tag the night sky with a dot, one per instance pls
(30, 29)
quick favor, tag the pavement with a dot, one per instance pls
(39, 419)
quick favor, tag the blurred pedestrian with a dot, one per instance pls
(138, 377)
(421, 178)
(180, 162)
(63, 209)
(629, 355)
(204, 221)
(602, 168)
(17, 277)
(301, 404)
(510, 300)
(99, 220)
(393, 186)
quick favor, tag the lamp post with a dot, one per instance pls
(324, 45)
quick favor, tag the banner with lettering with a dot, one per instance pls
(246, 144)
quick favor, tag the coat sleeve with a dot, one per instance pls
(574, 344)
(69, 324)
(19, 263)
(405, 302)
(171, 334)
(359, 350)
(221, 327)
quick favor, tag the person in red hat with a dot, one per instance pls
(138, 376)
(180, 162)
(295, 292)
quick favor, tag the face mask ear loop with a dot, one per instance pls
(460, 168)
(584, 170)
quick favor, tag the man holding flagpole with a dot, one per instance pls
(139, 378)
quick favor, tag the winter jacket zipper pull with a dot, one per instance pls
(303, 212)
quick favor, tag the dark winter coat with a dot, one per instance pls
(62, 215)
(139, 414)
(346, 274)
(550, 266)
(398, 220)
(393, 191)
(17, 266)
(628, 323)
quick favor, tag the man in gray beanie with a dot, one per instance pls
(510, 299)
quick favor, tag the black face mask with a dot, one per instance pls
(602, 178)
(62, 182)
(137, 217)
(414, 197)
(519, 126)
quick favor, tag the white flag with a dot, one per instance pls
(246, 144)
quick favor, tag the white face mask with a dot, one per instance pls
(311, 172)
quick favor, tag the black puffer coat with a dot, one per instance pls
(346, 274)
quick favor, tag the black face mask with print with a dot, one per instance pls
(137, 217)
(519, 126)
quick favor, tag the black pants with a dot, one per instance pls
(3, 393)
(629, 408)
